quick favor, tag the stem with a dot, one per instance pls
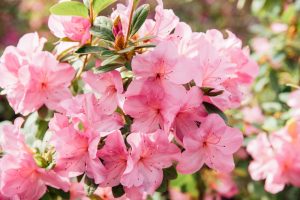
(80, 71)
(200, 185)
(91, 11)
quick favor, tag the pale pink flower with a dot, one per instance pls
(46, 82)
(73, 27)
(261, 46)
(76, 149)
(105, 193)
(109, 86)
(279, 27)
(114, 155)
(190, 113)
(152, 108)
(149, 155)
(176, 194)
(224, 185)
(276, 158)
(86, 111)
(213, 144)
(33, 78)
(21, 177)
(253, 115)
(163, 24)
(163, 63)
(77, 191)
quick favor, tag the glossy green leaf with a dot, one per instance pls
(100, 5)
(118, 191)
(210, 108)
(107, 68)
(91, 50)
(89, 186)
(70, 8)
(126, 50)
(111, 60)
(139, 18)
(103, 28)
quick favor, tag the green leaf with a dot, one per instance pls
(104, 22)
(170, 173)
(89, 186)
(107, 68)
(118, 191)
(210, 108)
(139, 18)
(149, 37)
(60, 193)
(128, 66)
(103, 33)
(91, 50)
(274, 81)
(142, 46)
(163, 186)
(210, 92)
(42, 128)
(100, 5)
(126, 50)
(70, 8)
(111, 60)
(46, 196)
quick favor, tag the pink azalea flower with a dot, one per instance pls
(77, 191)
(105, 193)
(212, 68)
(86, 111)
(162, 63)
(31, 77)
(253, 115)
(191, 112)
(276, 159)
(76, 150)
(225, 185)
(73, 27)
(47, 83)
(109, 86)
(114, 155)
(163, 24)
(21, 177)
(150, 153)
(152, 108)
(213, 144)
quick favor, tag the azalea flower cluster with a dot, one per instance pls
(276, 156)
(126, 126)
